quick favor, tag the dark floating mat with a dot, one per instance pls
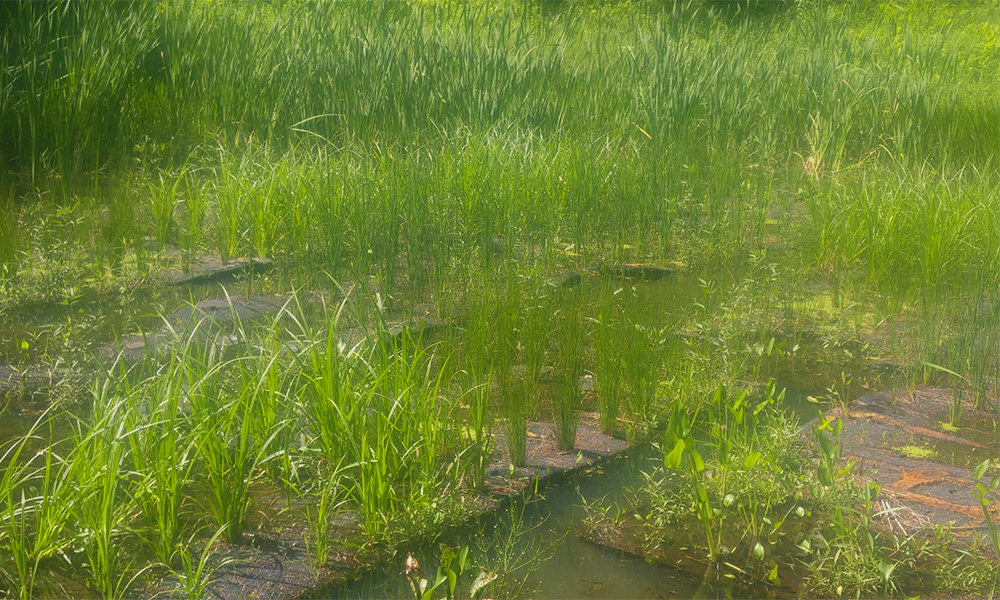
(423, 328)
(8, 379)
(211, 269)
(227, 310)
(902, 442)
(29, 384)
(214, 320)
(569, 279)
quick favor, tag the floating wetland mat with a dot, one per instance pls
(924, 466)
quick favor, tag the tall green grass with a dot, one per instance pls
(459, 154)
(188, 437)
(93, 81)
(404, 146)
(570, 339)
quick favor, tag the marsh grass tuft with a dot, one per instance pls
(569, 339)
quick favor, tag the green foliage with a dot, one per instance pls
(742, 479)
(479, 433)
(982, 493)
(609, 362)
(320, 506)
(447, 578)
(460, 154)
(403, 141)
(569, 338)
(197, 570)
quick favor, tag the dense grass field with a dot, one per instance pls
(824, 174)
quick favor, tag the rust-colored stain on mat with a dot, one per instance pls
(938, 489)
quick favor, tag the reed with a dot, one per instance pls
(609, 362)
(515, 399)
(162, 458)
(19, 568)
(104, 506)
(569, 338)
(10, 234)
(479, 435)
(833, 162)
(476, 102)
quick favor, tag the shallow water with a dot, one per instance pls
(576, 568)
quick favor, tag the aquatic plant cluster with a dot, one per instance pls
(822, 176)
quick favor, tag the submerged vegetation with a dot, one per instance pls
(821, 177)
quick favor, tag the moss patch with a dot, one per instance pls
(917, 452)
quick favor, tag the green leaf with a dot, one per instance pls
(838, 519)
(728, 500)
(702, 492)
(825, 476)
(886, 569)
(944, 370)
(800, 511)
(760, 407)
(463, 557)
(873, 489)
(720, 395)
(758, 551)
(751, 460)
(724, 447)
(24, 345)
(738, 404)
(673, 459)
(699, 464)
(679, 426)
(773, 575)
(981, 469)
(825, 443)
